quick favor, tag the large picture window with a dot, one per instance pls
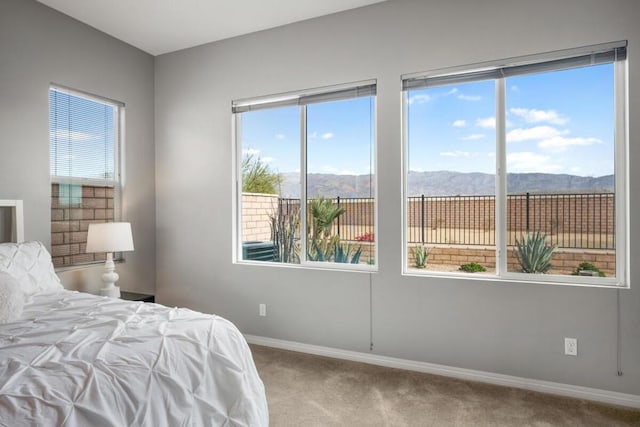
(84, 134)
(306, 178)
(519, 170)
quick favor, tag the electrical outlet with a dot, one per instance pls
(262, 310)
(571, 346)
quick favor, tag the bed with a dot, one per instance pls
(76, 359)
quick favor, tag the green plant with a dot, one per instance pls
(586, 266)
(257, 176)
(284, 228)
(421, 255)
(342, 253)
(321, 245)
(533, 253)
(323, 213)
(472, 267)
(322, 249)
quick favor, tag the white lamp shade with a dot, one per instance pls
(110, 237)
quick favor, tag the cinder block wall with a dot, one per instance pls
(73, 208)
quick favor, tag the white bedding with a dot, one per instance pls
(75, 359)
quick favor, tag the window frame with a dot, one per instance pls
(289, 99)
(118, 166)
(621, 167)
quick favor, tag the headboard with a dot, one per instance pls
(11, 221)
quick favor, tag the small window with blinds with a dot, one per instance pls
(84, 137)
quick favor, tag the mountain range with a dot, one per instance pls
(442, 183)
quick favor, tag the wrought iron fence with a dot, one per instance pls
(356, 223)
(576, 220)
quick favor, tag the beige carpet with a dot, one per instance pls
(306, 390)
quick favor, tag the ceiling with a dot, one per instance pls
(161, 26)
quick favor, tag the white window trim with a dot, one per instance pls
(118, 167)
(621, 150)
(237, 182)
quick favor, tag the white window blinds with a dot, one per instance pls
(555, 61)
(83, 138)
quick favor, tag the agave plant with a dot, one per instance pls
(322, 249)
(421, 255)
(533, 253)
(342, 253)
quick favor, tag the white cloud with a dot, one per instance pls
(537, 132)
(452, 91)
(469, 97)
(487, 122)
(557, 144)
(327, 135)
(422, 98)
(527, 161)
(515, 88)
(473, 137)
(250, 151)
(456, 153)
(280, 136)
(72, 135)
(266, 160)
(538, 116)
(459, 123)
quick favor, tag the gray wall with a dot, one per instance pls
(510, 328)
(39, 46)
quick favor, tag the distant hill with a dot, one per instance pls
(442, 183)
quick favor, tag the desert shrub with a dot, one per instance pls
(588, 267)
(472, 267)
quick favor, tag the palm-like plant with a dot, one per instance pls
(533, 253)
(323, 213)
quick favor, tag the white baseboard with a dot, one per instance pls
(587, 393)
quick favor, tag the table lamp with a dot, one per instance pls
(110, 237)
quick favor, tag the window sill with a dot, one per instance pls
(85, 265)
(347, 268)
(522, 278)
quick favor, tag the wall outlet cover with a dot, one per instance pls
(571, 346)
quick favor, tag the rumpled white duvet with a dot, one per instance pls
(75, 359)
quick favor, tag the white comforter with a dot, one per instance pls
(76, 359)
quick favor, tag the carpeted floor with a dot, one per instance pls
(307, 390)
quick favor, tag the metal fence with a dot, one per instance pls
(356, 223)
(571, 220)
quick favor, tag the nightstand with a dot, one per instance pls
(132, 296)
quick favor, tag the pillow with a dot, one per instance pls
(30, 264)
(11, 298)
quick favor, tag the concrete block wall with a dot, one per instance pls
(73, 208)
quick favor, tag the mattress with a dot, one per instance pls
(75, 359)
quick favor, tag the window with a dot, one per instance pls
(84, 133)
(306, 178)
(519, 169)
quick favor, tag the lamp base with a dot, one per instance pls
(110, 291)
(110, 277)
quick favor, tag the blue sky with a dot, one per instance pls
(339, 137)
(559, 122)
